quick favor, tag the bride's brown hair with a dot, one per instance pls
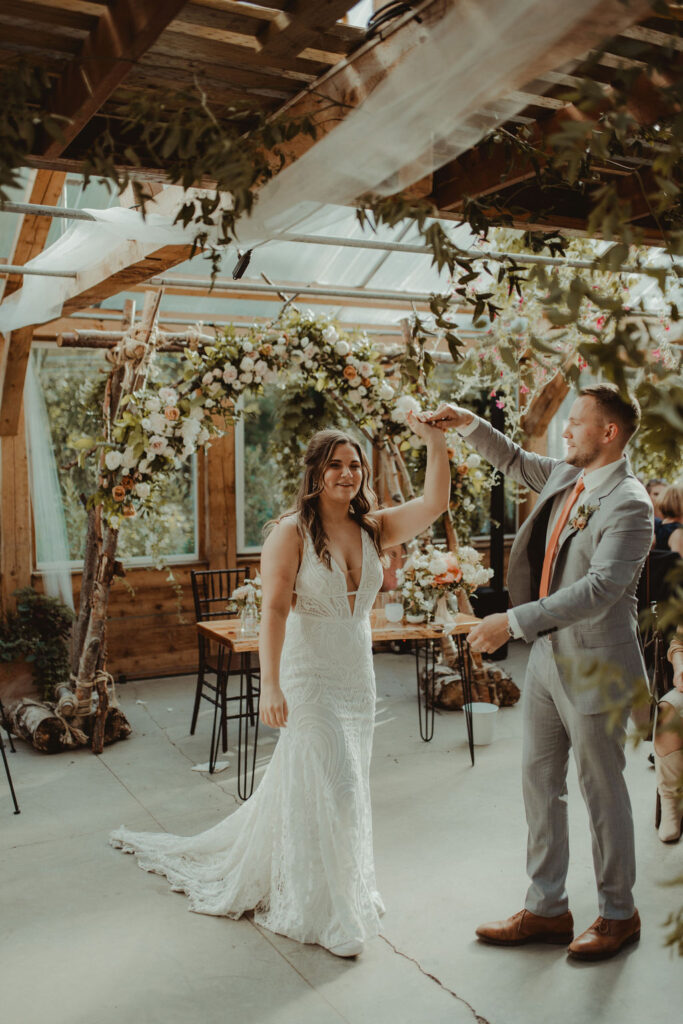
(317, 458)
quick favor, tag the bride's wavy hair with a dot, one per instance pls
(317, 457)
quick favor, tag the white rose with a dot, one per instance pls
(354, 395)
(261, 367)
(203, 436)
(365, 369)
(168, 396)
(342, 348)
(113, 460)
(310, 351)
(280, 350)
(404, 405)
(158, 423)
(247, 364)
(247, 346)
(246, 378)
(269, 377)
(473, 461)
(215, 389)
(142, 490)
(153, 404)
(362, 390)
(438, 563)
(157, 445)
(145, 423)
(229, 374)
(386, 392)
(207, 378)
(330, 335)
(217, 372)
(196, 413)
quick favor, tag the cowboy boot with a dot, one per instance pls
(669, 771)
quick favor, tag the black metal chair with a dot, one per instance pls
(211, 590)
(5, 724)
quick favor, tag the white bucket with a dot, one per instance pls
(483, 722)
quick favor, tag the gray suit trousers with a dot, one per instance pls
(553, 725)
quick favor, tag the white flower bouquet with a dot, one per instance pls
(431, 573)
(248, 593)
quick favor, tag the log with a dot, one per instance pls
(67, 702)
(116, 726)
(42, 728)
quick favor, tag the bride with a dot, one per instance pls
(299, 853)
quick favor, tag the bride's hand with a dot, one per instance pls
(273, 709)
(423, 429)
(447, 416)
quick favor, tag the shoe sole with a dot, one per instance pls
(580, 955)
(559, 939)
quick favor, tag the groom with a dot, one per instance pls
(572, 576)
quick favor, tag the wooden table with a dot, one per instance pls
(226, 633)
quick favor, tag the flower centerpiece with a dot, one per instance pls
(246, 601)
(430, 575)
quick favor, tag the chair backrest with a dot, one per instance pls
(211, 590)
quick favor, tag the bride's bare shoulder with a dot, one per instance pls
(284, 536)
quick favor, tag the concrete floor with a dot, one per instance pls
(88, 937)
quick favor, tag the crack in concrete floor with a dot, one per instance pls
(432, 977)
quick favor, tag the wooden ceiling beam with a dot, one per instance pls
(300, 25)
(45, 191)
(40, 14)
(123, 33)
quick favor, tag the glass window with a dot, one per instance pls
(169, 533)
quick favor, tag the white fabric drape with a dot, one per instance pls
(433, 105)
(52, 547)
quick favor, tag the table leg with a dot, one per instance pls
(9, 777)
(248, 715)
(219, 728)
(465, 665)
(425, 653)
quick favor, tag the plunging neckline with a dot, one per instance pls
(337, 566)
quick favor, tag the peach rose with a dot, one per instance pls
(128, 511)
(127, 482)
(118, 493)
(171, 413)
(349, 372)
(266, 350)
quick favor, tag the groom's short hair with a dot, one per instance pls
(625, 412)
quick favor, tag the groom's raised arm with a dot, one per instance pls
(526, 468)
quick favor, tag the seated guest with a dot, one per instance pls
(655, 489)
(669, 529)
(668, 743)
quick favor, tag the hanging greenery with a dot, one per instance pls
(38, 632)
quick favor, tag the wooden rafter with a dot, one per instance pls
(299, 25)
(123, 33)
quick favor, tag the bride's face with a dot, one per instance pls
(343, 474)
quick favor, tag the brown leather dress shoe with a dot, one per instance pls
(527, 927)
(605, 937)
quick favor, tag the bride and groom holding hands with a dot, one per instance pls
(299, 853)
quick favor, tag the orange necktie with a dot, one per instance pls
(551, 550)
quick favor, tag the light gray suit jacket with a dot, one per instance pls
(591, 610)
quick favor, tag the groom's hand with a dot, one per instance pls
(447, 417)
(489, 634)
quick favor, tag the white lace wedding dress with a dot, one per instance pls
(299, 852)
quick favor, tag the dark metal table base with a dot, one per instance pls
(5, 724)
(247, 716)
(425, 665)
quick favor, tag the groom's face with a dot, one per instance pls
(586, 432)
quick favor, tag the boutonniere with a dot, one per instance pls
(579, 520)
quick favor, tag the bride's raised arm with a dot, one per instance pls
(403, 522)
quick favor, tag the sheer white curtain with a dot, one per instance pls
(52, 548)
(437, 101)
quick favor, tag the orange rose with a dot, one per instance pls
(118, 493)
(366, 382)
(171, 413)
(127, 482)
(128, 511)
(462, 469)
(266, 350)
(349, 372)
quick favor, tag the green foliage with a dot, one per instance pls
(39, 632)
